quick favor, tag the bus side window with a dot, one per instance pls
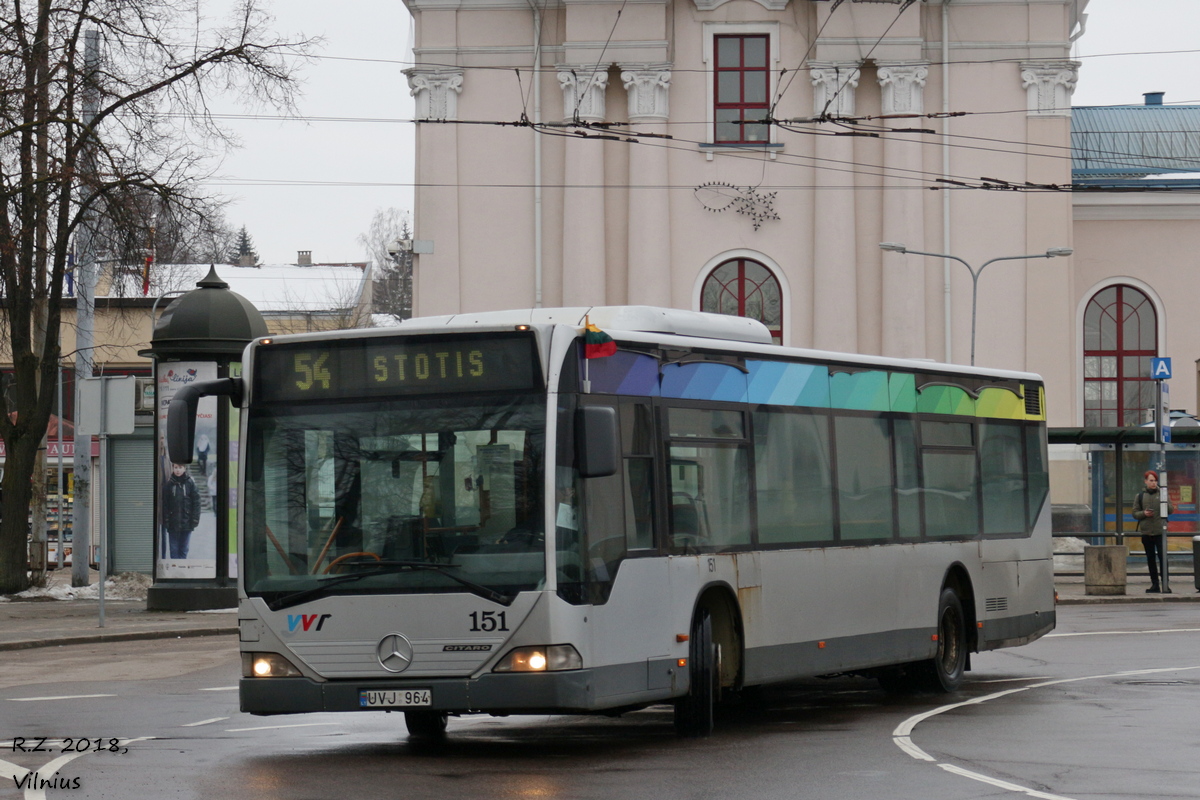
(1036, 464)
(637, 447)
(864, 477)
(793, 477)
(908, 483)
(1002, 470)
(950, 480)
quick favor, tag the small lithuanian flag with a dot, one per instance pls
(597, 343)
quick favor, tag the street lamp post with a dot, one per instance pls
(1053, 252)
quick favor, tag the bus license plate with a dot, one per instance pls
(395, 698)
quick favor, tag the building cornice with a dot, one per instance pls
(1125, 206)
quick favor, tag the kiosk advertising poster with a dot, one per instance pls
(187, 519)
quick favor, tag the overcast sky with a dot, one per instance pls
(1139, 30)
(334, 174)
(337, 173)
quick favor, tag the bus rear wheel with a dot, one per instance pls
(426, 724)
(944, 672)
(695, 712)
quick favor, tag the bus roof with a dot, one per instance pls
(698, 324)
(643, 319)
(651, 324)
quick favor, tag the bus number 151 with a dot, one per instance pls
(488, 621)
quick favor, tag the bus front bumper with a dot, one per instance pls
(511, 693)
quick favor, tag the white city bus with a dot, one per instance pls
(464, 514)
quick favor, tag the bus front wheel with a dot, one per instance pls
(425, 724)
(695, 711)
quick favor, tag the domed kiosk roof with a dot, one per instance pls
(209, 320)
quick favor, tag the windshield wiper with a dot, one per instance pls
(382, 568)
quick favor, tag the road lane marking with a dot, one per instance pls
(221, 689)
(202, 722)
(1012, 787)
(277, 727)
(17, 772)
(905, 744)
(63, 697)
(51, 768)
(1120, 633)
(902, 735)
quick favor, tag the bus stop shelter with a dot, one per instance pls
(1118, 458)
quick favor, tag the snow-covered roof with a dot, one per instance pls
(271, 288)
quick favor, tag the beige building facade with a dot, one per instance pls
(640, 170)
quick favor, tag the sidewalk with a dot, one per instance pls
(47, 622)
(60, 615)
(1071, 591)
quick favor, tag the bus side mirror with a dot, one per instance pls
(181, 414)
(597, 441)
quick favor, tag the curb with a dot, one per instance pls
(130, 636)
(1122, 599)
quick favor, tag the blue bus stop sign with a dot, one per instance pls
(1160, 369)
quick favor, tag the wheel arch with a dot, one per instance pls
(958, 578)
(720, 600)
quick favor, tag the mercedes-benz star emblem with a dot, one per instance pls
(395, 652)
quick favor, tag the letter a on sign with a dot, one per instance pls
(1160, 369)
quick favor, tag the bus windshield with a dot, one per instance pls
(381, 489)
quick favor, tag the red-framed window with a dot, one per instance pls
(745, 288)
(1120, 336)
(742, 88)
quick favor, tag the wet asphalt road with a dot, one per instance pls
(1104, 708)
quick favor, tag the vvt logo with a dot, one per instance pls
(305, 621)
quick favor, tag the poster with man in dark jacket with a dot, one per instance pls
(181, 510)
(187, 520)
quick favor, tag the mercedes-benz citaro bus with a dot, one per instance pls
(468, 514)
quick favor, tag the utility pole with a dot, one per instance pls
(85, 299)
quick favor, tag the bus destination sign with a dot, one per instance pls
(401, 366)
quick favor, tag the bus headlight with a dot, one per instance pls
(267, 665)
(552, 658)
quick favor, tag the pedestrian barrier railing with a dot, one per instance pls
(1180, 560)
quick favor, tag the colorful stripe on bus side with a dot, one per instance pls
(783, 383)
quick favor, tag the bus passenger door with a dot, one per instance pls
(622, 527)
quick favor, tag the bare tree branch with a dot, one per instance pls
(133, 168)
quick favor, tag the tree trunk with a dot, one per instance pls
(18, 466)
(37, 514)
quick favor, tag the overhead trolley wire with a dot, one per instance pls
(803, 60)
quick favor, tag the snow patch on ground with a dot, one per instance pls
(1071, 549)
(125, 586)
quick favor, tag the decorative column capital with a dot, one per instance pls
(833, 87)
(583, 92)
(648, 87)
(436, 90)
(903, 86)
(1049, 86)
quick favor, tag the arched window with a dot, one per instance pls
(1120, 336)
(744, 288)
